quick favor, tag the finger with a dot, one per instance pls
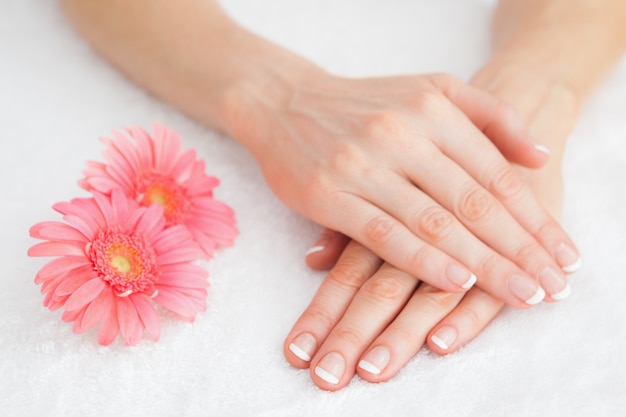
(436, 226)
(353, 268)
(377, 303)
(404, 337)
(394, 242)
(464, 323)
(498, 120)
(487, 218)
(473, 154)
(326, 251)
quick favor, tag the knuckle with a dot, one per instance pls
(386, 288)
(434, 223)
(380, 229)
(525, 253)
(346, 159)
(437, 300)
(384, 123)
(548, 231)
(419, 259)
(505, 183)
(487, 263)
(350, 272)
(473, 320)
(349, 335)
(475, 204)
(318, 314)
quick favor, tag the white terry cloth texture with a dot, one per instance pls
(57, 97)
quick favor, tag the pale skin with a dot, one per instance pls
(349, 154)
(546, 61)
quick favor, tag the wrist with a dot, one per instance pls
(263, 83)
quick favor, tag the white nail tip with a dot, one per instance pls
(542, 149)
(326, 376)
(470, 282)
(537, 298)
(314, 249)
(439, 342)
(573, 267)
(299, 352)
(563, 294)
(369, 367)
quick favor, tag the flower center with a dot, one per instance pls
(159, 189)
(125, 262)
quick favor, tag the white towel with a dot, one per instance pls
(57, 97)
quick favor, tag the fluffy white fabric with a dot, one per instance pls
(57, 97)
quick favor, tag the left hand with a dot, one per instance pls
(372, 319)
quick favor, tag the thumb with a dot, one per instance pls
(498, 120)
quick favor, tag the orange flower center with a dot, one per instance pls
(162, 190)
(125, 262)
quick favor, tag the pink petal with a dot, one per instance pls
(100, 184)
(184, 166)
(191, 278)
(87, 226)
(70, 316)
(85, 294)
(109, 327)
(60, 266)
(171, 238)
(104, 204)
(55, 249)
(75, 279)
(176, 303)
(95, 310)
(121, 156)
(130, 324)
(152, 221)
(167, 147)
(148, 315)
(180, 254)
(145, 153)
(57, 231)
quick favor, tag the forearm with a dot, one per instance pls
(191, 54)
(553, 52)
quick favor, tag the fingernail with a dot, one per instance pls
(555, 283)
(444, 337)
(376, 360)
(303, 346)
(568, 258)
(314, 249)
(526, 289)
(542, 149)
(331, 368)
(460, 276)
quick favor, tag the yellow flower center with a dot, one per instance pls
(125, 262)
(166, 192)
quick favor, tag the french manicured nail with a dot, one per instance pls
(376, 360)
(542, 149)
(331, 368)
(526, 289)
(555, 283)
(460, 276)
(315, 249)
(568, 258)
(444, 337)
(303, 346)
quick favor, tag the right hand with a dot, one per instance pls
(407, 167)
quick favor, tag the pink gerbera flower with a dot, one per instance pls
(116, 260)
(153, 169)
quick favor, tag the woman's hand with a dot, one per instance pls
(405, 166)
(376, 338)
